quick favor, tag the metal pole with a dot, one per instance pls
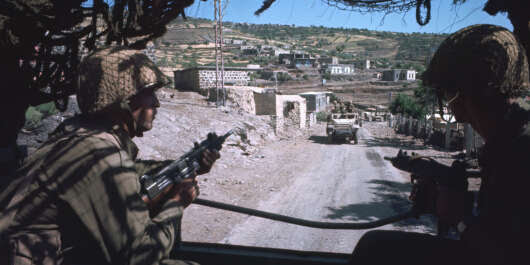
(221, 51)
(216, 56)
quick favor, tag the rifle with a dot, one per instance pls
(426, 174)
(153, 188)
(422, 166)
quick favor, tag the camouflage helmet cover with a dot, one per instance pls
(477, 57)
(111, 75)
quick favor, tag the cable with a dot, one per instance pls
(303, 222)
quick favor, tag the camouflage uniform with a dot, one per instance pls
(78, 198)
(503, 211)
(477, 57)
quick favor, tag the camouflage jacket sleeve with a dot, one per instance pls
(108, 203)
(150, 166)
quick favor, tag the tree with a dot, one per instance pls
(425, 96)
(407, 105)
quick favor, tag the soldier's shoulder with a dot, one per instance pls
(82, 142)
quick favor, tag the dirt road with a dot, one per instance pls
(316, 181)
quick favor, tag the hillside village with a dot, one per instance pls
(283, 70)
(294, 75)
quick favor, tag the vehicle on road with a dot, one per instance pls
(343, 126)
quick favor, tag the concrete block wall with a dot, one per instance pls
(201, 80)
(237, 78)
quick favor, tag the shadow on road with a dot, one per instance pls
(318, 139)
(394, 142)
(388, 194)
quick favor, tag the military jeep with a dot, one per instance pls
(343, 126)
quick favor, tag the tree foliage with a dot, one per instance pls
(407, 105)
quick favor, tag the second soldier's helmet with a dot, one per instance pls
(111, 75)
(478, 57)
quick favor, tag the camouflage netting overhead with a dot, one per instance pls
(42, 40)
(114, 74)
(480, 56)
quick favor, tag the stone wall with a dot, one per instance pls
(292, 106)
(311, 119)
(241, 97)
(186, 80)
(265, 103)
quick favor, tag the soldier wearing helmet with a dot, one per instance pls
(481, 74)
(77, 199)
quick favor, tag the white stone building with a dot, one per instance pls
(399, 74)
(340, 69)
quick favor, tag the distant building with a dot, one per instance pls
(249, 50)
(391, 75)
(399, 74)
(409, 75)
(201, 79)
(340, 69)
(269, 50)
(286, 109)
(238, 42)
(328, 60)
(297, 59)
(316, 101)
(279, 51)
(253, 66)
(247, 47)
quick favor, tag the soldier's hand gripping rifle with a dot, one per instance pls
(428, 174)
(155, 187)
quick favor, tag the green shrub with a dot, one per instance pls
(282, 77)
(407, 105)
(333, 97)
(322, 116)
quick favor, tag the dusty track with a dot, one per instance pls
(316, 181)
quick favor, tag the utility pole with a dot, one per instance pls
(219, 84)
(216, 57)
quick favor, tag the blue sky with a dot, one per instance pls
(446, 18)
